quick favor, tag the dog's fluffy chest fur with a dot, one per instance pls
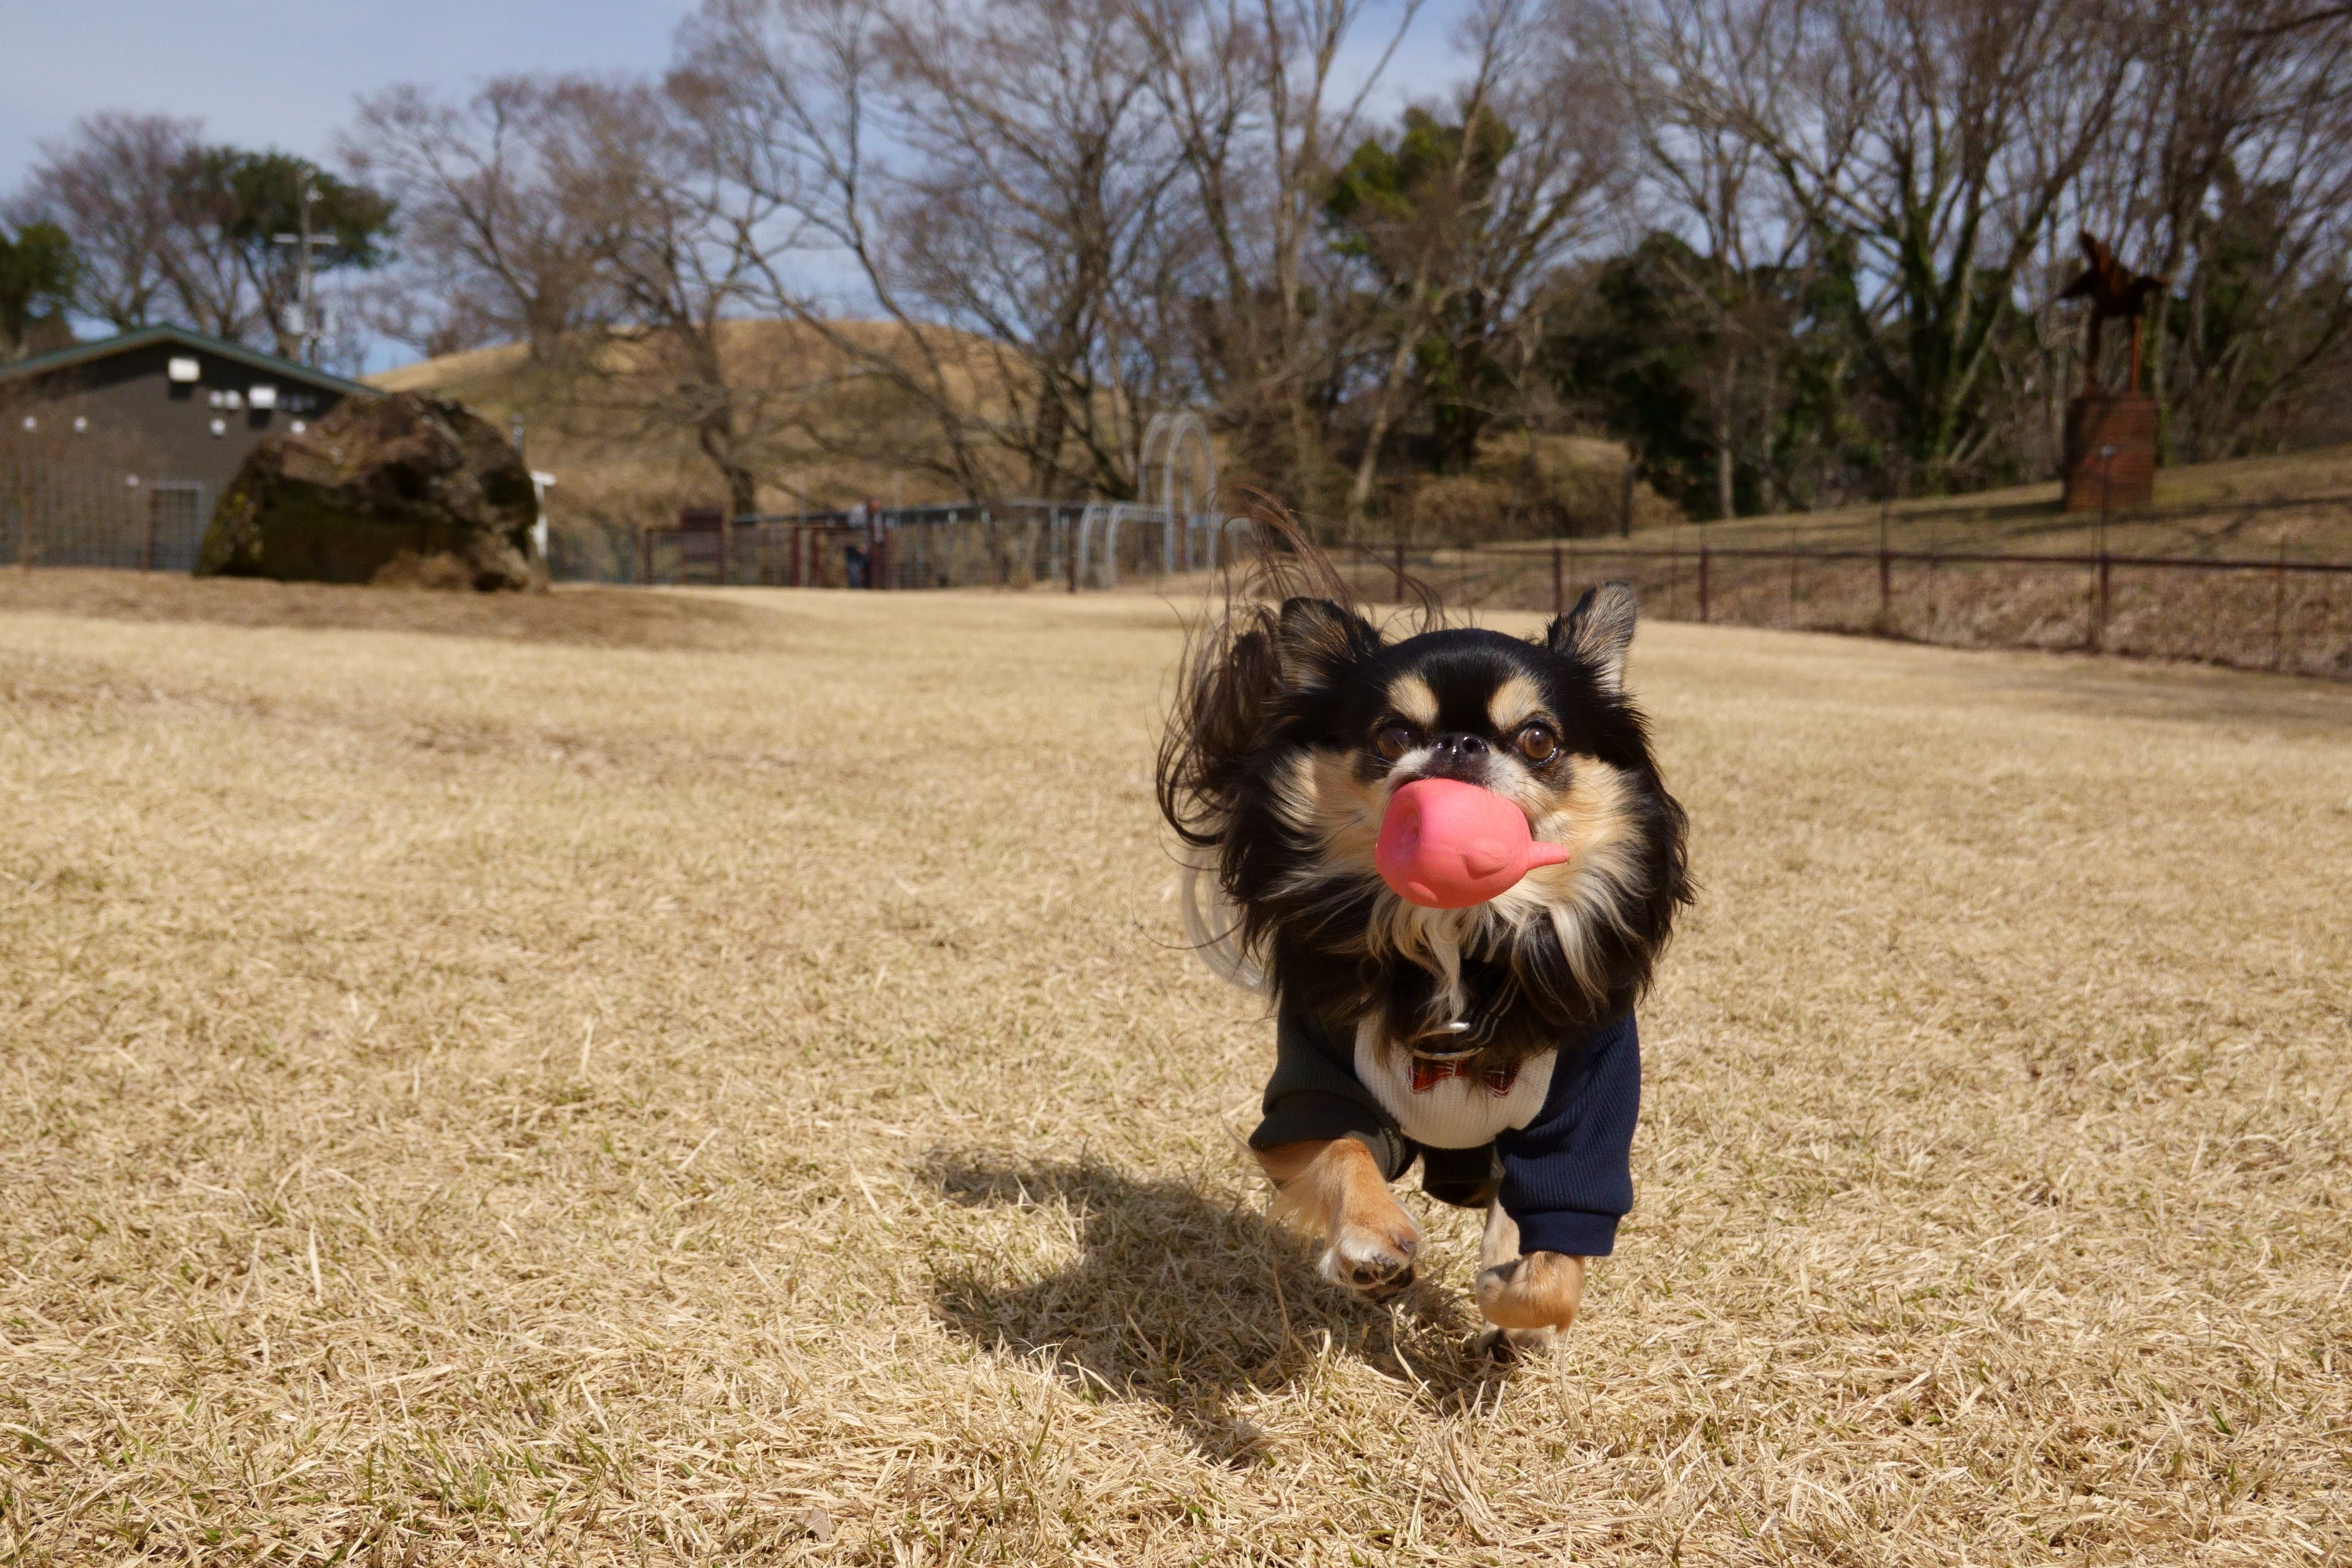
(1455, 1111)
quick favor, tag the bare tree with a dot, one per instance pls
(1254, 92)
(1459, 221)
(1923, 145)
(495, 247)
(1714, 186)
(687, 250)
(2235, 174)
(793, 98)
(1038, 220)
(992, 180)
(111, 186)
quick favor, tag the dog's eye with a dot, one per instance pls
(1393, 740)
(1537, 744)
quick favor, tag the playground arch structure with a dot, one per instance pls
(1010, 544)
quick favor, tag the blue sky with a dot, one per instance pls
(277, 73)
(283, 74)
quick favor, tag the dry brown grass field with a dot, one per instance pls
(563, 1082)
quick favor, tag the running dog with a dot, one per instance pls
(1495, 1044)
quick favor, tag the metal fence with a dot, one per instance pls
(1008, 544)
(60, 515)
(2280, 611)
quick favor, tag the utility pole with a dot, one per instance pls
(305, 244)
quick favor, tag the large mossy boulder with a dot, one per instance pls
(395, 488)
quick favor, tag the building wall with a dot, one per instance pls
(183, 435)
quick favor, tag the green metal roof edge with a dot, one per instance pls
(140, 337)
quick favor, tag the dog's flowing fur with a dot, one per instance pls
(1296, 717)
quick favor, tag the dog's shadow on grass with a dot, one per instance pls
(1173, 1298)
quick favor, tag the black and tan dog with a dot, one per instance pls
(1495, 1044)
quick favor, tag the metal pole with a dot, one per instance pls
(147, 557)
(1793, 579)
(2099, 579)
(1934, 584)
(1886, 579)
(1702, 579)
(2278, 610)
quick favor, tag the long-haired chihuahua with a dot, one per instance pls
(1494, 1043)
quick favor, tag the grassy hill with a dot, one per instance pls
(830, 432)
(2248, 506)
(841, 435)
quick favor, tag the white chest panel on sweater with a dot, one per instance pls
(1454, 1113)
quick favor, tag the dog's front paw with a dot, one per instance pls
(1375, 1261)
(1539, 1291)
(1505, 1346)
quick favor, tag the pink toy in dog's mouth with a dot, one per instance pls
(1445, 845)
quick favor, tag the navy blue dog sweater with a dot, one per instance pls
(1561, 1164)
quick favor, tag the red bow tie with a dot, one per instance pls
(1427, 1074)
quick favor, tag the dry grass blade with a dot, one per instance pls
(479, 1096)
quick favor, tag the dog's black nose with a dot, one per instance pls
(1460, 755)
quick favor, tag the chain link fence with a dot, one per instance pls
(61, 514)
(1004, 544)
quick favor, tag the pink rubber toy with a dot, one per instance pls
(1445, 845)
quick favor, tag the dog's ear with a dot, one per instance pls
(1319, 639)
(1598, 632)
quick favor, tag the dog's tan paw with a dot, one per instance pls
(1373, 1260)
(1539, 1291)
(1505, 1346)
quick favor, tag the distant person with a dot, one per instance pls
(854, 562)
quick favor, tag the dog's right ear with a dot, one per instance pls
(1319, 639)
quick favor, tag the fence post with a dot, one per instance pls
(1935, 583)
(2099, 638)
(1885, 582)
(1702, 579)
(147, 556)
(2278, 610)
(1558, 589)
(1793, 579)
(2098, 614)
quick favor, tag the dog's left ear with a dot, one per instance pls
(1598, 632)
(1319, 639)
